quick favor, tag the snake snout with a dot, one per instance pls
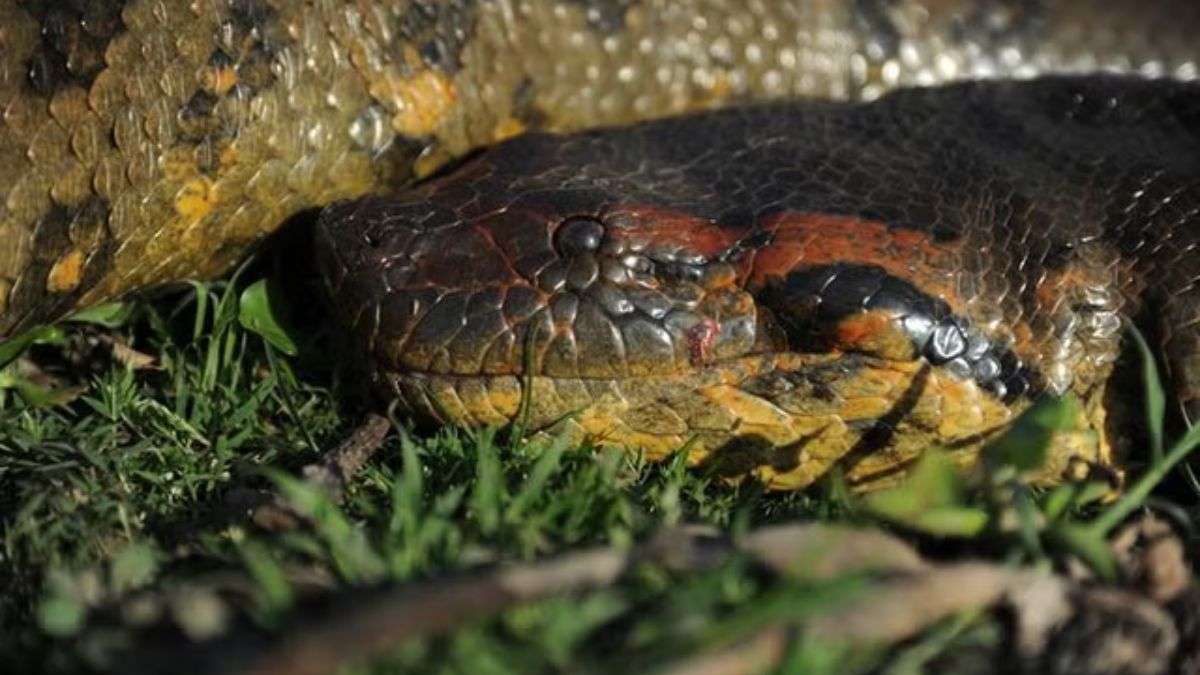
(528, 289)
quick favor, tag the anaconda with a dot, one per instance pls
(784, 287)
(146, 141)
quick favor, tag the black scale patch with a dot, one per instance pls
(247, 40)
(74, 36)
(812, 299)
(440, 30)
(57, 232)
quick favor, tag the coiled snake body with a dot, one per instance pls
(780, 287)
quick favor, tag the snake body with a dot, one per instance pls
(147, 141)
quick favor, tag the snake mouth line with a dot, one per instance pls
(1012, 371)
(786, 417)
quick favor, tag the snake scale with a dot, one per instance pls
(951, 249)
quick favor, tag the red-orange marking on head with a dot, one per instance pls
(808, 239)
(662, 226)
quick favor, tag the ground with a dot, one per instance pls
(132, 441)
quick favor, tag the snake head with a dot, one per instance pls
(534, 288)
(614, 296)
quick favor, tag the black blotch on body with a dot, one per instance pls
(200, 105)
(439, 30)
(61, 227)
(874, 21)
(995, 23)
(605, 16)
(810, 302)
(524, 105)
(74, 36)
(251, 18)
(247, 40)
(56, 232)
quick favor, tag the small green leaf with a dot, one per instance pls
(273, 589)
(1024, 446)
(837, 491)
(541, 473)
(60, 616)
(1155, 399)
(43, 397)
(36, 395)
(1091, 492)
(134, 567)
(488, 492)
(1089, 545)
(951, 521)
(930, 500)
(109, 315)
(259, 311)
(12, 348)
(1056, 503)
(346, 543)
(1029, 520)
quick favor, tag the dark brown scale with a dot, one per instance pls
(440, 30)
(74, 35)
(62, 229)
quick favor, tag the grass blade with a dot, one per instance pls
(260, 312)
(1137, 494)
(1152, 392)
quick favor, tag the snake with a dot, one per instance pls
(784, 236)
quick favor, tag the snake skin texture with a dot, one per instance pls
(144, 142)
(147, 141)
(993, 232)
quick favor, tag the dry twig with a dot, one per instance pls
(368, 625)
(1057, 620)
(337, 467)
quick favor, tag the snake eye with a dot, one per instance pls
(579, 234)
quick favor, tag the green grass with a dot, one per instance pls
(117, 480)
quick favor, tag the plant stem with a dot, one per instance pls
(285, 397)
(1137, 494)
